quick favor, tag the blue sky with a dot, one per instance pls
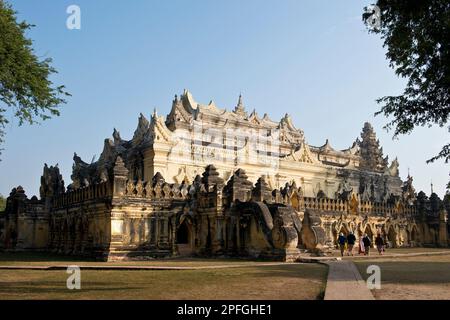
(311, 59)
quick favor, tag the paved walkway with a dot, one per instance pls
(345, 282)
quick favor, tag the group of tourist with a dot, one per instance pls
(346, 244)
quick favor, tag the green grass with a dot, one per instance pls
(290, 281)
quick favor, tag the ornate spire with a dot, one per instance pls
(52, 182)
(408, 191)
(240, 103)
(240, 108)
(116, 136)
(370, 151)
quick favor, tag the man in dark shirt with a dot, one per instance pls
(341, 241)
(379, 242)
(367, 243)
(351, 239)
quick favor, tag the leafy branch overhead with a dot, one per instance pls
(2, 203)
(25, 89)
(416, 34)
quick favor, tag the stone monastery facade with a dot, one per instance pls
(206, 181)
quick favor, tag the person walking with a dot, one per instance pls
(361, 245)
(341, 241)
(379, 242)
(366, 243)
(351, 239)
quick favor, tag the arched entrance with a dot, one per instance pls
(337, 231)
(413, 235)
(392, 237)
(344, 230)
(368, 231)
(184, 242)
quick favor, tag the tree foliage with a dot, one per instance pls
(416, 34)
(26, 91)
(2, 203)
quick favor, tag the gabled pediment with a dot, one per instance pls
(158, 129)
(303, 154)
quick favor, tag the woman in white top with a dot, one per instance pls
(361, 245)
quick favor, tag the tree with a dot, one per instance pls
(416, 34)
(26, 91)
(2, 203)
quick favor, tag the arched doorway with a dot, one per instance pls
(414, 236)
(337, 231)
(184, 243)
(344, 230)
(392, 237)
(368, 231)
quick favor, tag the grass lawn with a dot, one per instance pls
(374, 252)
(290, 281)
(423, 277)
(49, 259)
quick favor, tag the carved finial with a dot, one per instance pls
(368, 126)
(119, 162)
(240, 108)
(261, 191)
(158, 179)
(119, 167)
(20, 189)
(211, 176)
(327, 145)
(240, 103)
(116, 135)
